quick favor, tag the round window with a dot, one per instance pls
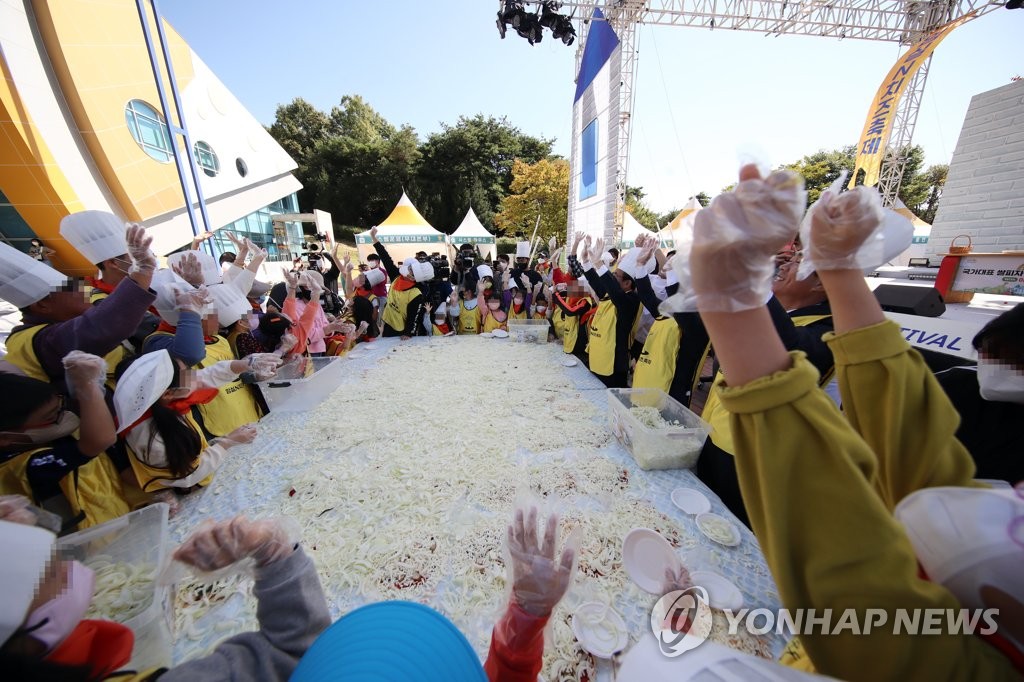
(149, 130)
(243, 169)
(206, 158)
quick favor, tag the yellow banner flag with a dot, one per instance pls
(878, 126)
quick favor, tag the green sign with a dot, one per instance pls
(401, 239)
(472, 240)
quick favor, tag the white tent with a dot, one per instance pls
(471, 231)
(922, 230)
(403, 233)
(631, 229)
(686, 217)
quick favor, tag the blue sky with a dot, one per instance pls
(705, 99)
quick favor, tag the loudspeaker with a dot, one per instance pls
(923, 301)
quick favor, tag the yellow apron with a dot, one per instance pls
(558, 322)
(97, 295)
(397, 305)
(234, 405)
(718, 416)
(490, 324)
(21, 354)
(521, 315)
(601, 340)
(153, 478)
(469, 320)
(93, 490)
(656, 366)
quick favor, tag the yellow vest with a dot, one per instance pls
(718, 416)
(601, 340)
(558, 322)
(21, 354)
(656, 366)
(97, 295)
(490, 324)
(93, 490)
(521, 315)
(397, 305)
(155, 478)
(234, 405)
(469, 320)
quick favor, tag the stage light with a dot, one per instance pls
(531, 26)
(511, 15)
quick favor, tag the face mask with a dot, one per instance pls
(65, 426)
(541, 308)
(1000, 382)
(52, 622)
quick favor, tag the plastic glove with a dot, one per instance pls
(82, 369)
(677, 581)
(192, 300)
(241, 436)
(263, 365)
(843, 232)
(539, 579)
(142, 257)
(288, 341)
(735, 240)
(291, 281)
(19, 509)
(218, 544)
(190, 270)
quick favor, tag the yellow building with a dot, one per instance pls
(81, 128)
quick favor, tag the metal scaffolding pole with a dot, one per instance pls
(894, 162)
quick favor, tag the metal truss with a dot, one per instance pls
(900, 21)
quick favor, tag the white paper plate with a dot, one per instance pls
(486, 335)
(706, 521)
(569, 362)
(691, 501)
(722, 593)
(599, 629)
(645, 556)
(499, 334)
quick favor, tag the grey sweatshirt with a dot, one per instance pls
(292, 612)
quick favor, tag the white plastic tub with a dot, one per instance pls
(675, 439)
(528, 331)
(299, 388)
(138, 539)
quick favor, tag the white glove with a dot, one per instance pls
(142, 257)
(735, 240)
(539, 578)
(82, 369)
(192, 300)
(218, 544)
(242, 435)
(263, 365)
(288, 341)
(843, 232)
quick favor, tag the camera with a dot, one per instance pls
(441, 268)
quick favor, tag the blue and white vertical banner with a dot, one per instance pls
(595, 127)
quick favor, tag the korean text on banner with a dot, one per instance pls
(878, 126)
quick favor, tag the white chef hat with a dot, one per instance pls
(607, 258)
(961, 537)
(405, 268)
(422, 272)
(484, 270)
(628, 264)
(374, 277)
(27, 550)
(97, 235)
(141, 385)
(229, 302)
(166, 284)
(441, 310)
(522, 249)
(212, 272)
(24, 280)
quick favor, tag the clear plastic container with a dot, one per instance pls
(299, 387)
(136, 541)
(657, 430)
(528, 331)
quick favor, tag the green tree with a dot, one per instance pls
(471, 164)
(638, 209)
(355, 119)
(703, 199)
(300, 128)
(823, 168)
(936, 176)
(539, 188)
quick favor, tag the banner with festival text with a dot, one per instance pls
(878, 127)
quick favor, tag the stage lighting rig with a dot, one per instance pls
(531, 25)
